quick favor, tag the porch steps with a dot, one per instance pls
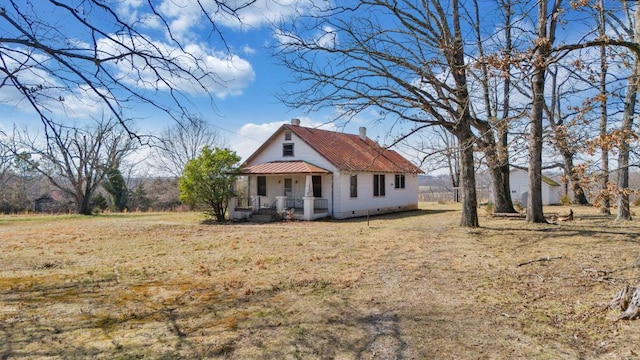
(264, 215)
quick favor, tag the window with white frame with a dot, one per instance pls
(287, 149)
(378, 185)
(354, 186)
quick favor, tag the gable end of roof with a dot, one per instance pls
(347, 152)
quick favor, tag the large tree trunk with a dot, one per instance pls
(535, 212)
(624, 212)
(498, 165)
(579, 197)
(83, 205)
(604, 198)
(462, 129)
(502, 127)
(503, 170)
(469, 196)
(496, 152)
(501, 190)
(544, 41)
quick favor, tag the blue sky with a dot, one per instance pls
(244, 111)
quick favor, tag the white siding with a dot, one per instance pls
(550, 194)
(554, 194)
(365, 202)
(301, 152)
(519, 184)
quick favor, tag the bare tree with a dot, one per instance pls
(7, 177)
(627, 21)
(180, 143)
(626, 129)
(614, 37)
(404, 59)
(109, 62)
(605, 198)
(546, 32)
(563, 134)
(76, 160)
(493, 138)
(438, 151)
(6, 159)
(626, 134)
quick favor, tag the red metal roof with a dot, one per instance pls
(347, 152)
(283, 167)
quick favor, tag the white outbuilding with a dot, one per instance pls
(519, 185)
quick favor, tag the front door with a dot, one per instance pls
(288, 187)
(317, 186)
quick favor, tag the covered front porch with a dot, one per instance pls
(292, 190)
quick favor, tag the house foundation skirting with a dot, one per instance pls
(375, 211)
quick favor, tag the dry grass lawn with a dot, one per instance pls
(408, 286)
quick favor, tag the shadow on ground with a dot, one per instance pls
(102, 318)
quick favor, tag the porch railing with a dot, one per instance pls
(294, 203)
(320, 204)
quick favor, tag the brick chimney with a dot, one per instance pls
(363, 133)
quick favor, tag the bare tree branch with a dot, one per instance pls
(113, 63)
(76, 160)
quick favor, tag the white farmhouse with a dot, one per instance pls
(519, 185)
(312, 173)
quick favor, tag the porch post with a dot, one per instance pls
(231, 207)
(308, 199)
(308, 207)
(308, 186)
(280, 203)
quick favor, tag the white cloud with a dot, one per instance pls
(202, 70)
(251, 135)
(325, 38)
(328, 38)
(131, 3)
(81, 104)
(184, 16)
(287, 38)
(28, 73)
(248, 50)
(234, 73)
(135, 11)
(263, 12)
(53, 97)
(58, 95)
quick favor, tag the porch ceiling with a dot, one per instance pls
(283, 167)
